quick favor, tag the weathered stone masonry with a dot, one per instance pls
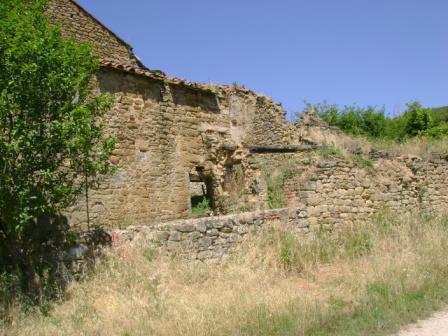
(171, 132)
(338, 190)
(211, 237)
(167, 130)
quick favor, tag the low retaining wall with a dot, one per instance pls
(211, 237)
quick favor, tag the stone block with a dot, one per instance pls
(226, 229)
(175, 236)
(218, 224)
(212, 232)
(163, 236)
(205, 243)
(186, 228)
(201, 227)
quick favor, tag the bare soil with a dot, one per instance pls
(437, 325)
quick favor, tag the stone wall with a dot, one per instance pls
(167, 131)
(320, 190)
(433, 177)
(79, 24)
(339, 190)
(211, 237)
(172, 132)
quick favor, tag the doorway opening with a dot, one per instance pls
(201, 196)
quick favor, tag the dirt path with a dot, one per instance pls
(437, 325)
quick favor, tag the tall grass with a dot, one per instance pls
(365, 279)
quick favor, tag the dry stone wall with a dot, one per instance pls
(211, 237)
(339, 190)
(433, 175)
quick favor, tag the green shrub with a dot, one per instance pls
(201, 206)
(373, 123)
(417, 119)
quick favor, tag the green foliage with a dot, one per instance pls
(275, 184)
(417, 119)
(288, 251)
(362, 162)
(51, 141)
(201, 206)
(371, 122)
(355, 120)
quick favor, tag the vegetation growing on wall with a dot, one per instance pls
(52, 146)
(201, 206)
(275, 177)
(372, 122)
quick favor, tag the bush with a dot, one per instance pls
(371, 122)
(201, 206)
(51, 143)
(417, 119)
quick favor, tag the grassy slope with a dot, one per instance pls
(364, 280)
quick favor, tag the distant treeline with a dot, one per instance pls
(373, 122)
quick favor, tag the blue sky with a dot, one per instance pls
(369, 52)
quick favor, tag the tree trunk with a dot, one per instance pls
(24, 264)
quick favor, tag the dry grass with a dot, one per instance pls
(418, 146)
(277, 283)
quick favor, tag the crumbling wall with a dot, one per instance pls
(339, 190)
(166, 131)
(170, 132)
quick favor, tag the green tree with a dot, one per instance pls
(52, 146)
(352, 119)
(417, 119)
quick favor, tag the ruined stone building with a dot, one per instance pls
(178, 141)
(173, 136)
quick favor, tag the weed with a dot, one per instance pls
(365, 279)
(201, 207)
(288, 250)
(150, 254)
(363, 162)
(330, 151)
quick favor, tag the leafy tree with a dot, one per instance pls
(52, 146)
(417, 119)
